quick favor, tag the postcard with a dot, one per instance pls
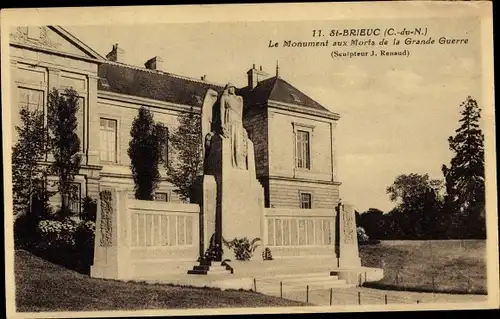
(249, 158)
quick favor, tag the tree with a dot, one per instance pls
(28, 174)
(186, 143)
(465, 199)
(373, 223)
(145, 151)
(418, 203)
(64, 142)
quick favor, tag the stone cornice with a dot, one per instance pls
(301, 180)
(144, 101)
(123, 175)
(302, 109)
(82, 166)
(52, 51)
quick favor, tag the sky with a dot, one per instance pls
(396, 112)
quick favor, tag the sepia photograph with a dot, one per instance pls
(259, 158)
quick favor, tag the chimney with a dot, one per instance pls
(116, 54)
(204, 78)
(155, 63)
(255, 76)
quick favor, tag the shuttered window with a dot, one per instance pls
(108, 140)
(303, 150)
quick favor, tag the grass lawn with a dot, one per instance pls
(43, 286)
(441, 265)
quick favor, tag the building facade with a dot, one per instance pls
(293, 135)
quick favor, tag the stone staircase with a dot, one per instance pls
(209, 268)
(299, 282)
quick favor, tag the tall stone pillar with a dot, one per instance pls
(348, 239)
(112, 238)
(237, 194)
(209, 209)
(333, 139)
(92, 150)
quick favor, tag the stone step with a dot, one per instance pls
(219, 271)
(209, 270)
(307, 279)
(201, 267)
(275, 289)
(301, 275)
(197, 272)
(304, 282)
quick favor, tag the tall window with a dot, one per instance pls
(108, 140)
(164, 144)
(305, 200)
(303, 150)
(30, 99)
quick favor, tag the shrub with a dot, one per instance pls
(57, 233)
(26, 231)
(89, 209)
(68, 242)
(266, 254)
(243, 248)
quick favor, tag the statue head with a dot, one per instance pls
(230, 88)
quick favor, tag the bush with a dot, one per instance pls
(89, 209)
(56, 233)
(243, 248)
(68, 242)
(26, 231)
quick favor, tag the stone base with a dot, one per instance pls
(208, 209)
(349, 261)
(358, 276)
(111, 263)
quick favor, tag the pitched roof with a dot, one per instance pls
(77, 42)
(157, 85)
(162, 86)
(277, 89)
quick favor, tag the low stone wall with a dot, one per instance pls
(137, 238)
(299, 232)
(163, 230)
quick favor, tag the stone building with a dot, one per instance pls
(294, 136)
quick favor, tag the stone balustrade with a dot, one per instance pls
(135, 237)
(298, 232)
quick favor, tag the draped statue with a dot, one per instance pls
(224, 116)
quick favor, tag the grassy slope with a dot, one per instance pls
(457, 267)
(42, 286)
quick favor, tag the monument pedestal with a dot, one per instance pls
(348, 245)
(239, 199)
(209, 210)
